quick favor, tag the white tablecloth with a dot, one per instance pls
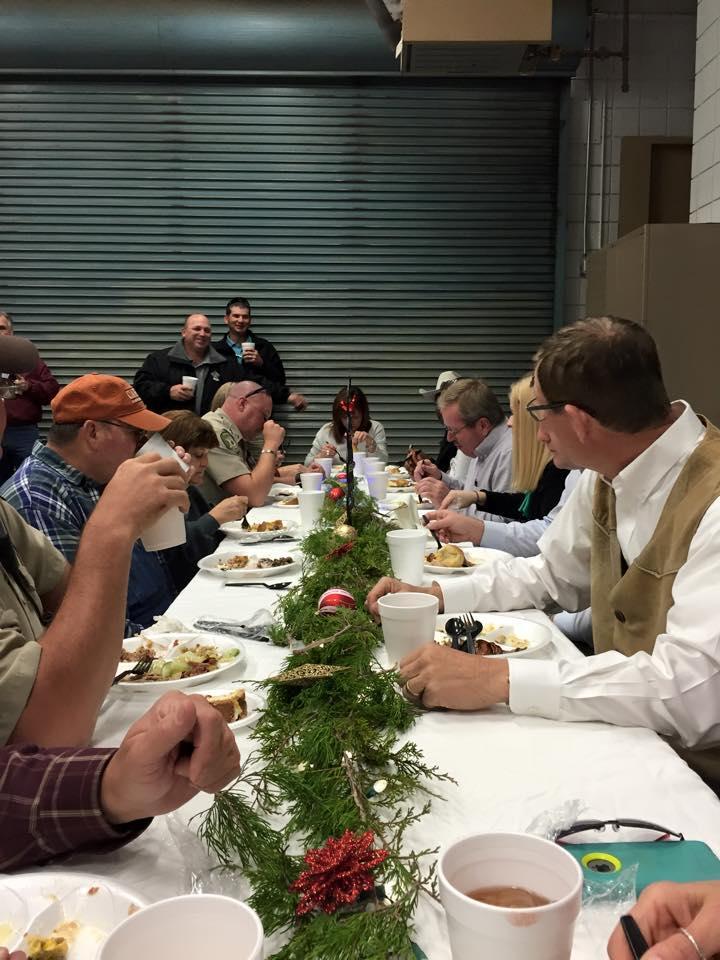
(508, 769)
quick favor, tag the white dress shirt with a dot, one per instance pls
(676, 690)
(490, 469)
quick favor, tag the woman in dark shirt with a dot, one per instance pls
(202, 525)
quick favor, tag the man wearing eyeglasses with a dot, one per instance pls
(638, 540)
(245, 415)
(99, 422)
(475, 423)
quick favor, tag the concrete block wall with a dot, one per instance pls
(660, 102)
(705, 184)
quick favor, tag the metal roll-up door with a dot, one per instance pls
(389, 229)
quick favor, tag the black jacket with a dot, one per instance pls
(203, 538)
(270, 375)
(540, 502)
(162, 369)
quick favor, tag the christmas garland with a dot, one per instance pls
(336, 876)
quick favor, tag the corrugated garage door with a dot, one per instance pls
(388, 229)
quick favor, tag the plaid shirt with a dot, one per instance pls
(50, 805)
(57, 499)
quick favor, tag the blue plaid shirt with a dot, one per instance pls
(57, 499)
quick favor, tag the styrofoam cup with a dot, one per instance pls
(247, 345)
(377, 483)
(326, 463)
(376, 465)
(359, 460)
(508, 933)
(407, 554)
(190, 382)
(204, 925)
(312, 481)
(169, 529)
(408, 622)
(311, 502)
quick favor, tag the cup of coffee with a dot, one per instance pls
(312, 481)
(408, 622)
(190, 382)
(311, 502)
(204, 925)
(407, 554)
(377, 483)
(326, 463)
(516, 894)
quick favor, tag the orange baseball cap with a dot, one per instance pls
(97, 396)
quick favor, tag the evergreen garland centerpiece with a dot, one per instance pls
(337, 877)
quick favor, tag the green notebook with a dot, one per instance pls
(682, 861)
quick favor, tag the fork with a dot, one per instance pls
(470, 623)
(139, 670)
(244, 522)
(283, 585)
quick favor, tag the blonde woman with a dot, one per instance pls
(536, 482)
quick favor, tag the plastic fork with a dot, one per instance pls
(139, 670)
(283, 585)
(472, 629)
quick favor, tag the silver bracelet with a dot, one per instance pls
(693, 941)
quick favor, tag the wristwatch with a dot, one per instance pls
(268, 450)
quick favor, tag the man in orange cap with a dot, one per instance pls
(53, 681)
(99, 422)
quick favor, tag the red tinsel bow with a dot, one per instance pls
(340, 551)
(338, 872)
(348, 406)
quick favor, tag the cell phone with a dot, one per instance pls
(682, 861)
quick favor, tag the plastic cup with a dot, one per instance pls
(408, 622)
(510, 933)
(311, 502)
(407, 554)
(169, 529)
(190, 382)
(377, 484)
(202, 925)
(312, 481)
(326, 463)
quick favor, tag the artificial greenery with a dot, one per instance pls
(328, 759)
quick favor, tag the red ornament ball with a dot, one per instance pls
(336, 493)
(341, 476)
(334, 598)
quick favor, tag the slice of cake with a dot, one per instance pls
(232, 706)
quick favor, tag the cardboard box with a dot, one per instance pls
(498, 21)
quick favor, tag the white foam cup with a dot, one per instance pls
(190, 382)
(169, 529)
(359, 460)
(311, 502)
(377, 483)
(312, 481)
(510, 933)
(204, 925)
(407, 554)
(326, 463)
(408, 622)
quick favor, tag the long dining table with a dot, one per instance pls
(508, 769)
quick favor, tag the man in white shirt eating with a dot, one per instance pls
(639, 540)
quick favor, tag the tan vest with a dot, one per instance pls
(629, 610)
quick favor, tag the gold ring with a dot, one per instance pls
(693, 941)
(412, 692)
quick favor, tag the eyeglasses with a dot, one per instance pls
(533, 408)
(140, 435)
(452, 432)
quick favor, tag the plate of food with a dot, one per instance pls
(395, 471)
(400, 483)
(179, 660)
(501, 635)
(291, 501)
(247, 565)
(238, 707)
(68, 915)
(279, 491)
(452, 558)
(265, 530)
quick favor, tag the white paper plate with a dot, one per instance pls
(178, 641)
(105, 909)
(287, 506)
(255, 703)
(536, 634)
(210, 565)
(236, 530)
(282, 490)
(478, 557)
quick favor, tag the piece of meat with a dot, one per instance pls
(486, 648)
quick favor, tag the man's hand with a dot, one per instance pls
(20, 383)
(273, 435)
(298, 401)
(141, 491)
(426, 468)
(460, 499)
(250, 355)
(453, 527)
(229, 509)
(442, 677)
(15, 955)
(392, 585)
(180, 393)
(179, 747)
(433, 490)
(663, 908)
(289, 472)
(363, 439)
